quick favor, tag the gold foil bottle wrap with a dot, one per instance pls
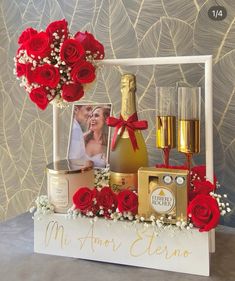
(128, 88)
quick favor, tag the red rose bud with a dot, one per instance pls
(29, 73)
(204, 212)
(107, 199)
(60, 27)
(86, 39)
(72, 92)
(127, 201)
(38, 45)
(90, 44)
(83, 72)
(201, 187)
(84, 200)
(26, 35)
(71, 51)
(98, 51)
(39, 96)
(47, 75)
(20, 69)
(200, 173)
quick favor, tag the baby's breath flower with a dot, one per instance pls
(223, 212)
(178, 223)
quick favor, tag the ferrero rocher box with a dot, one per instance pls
(163, 193)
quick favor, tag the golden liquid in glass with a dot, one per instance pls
(189, 136)
(166, 131)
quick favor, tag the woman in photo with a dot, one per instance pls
(96, 139)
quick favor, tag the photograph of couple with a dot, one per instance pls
(89, 134)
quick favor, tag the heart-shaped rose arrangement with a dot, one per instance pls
(54, 66)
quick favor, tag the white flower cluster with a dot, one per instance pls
(73, 213)
(224, 207)
(158, 224)
(101, 211)
(122, 216)
(102, 177)
(43, 207)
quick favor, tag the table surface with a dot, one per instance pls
(19, 262)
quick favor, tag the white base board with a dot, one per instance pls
(123, 243)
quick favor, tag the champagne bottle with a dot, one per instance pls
(124, 159)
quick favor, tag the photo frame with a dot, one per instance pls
(89, 136)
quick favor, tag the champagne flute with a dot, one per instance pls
(189, 111)
(166, 120)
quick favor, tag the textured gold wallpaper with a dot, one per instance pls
(127, 28)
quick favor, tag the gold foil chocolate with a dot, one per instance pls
(163, 193)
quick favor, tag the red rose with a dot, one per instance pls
(201, 187)
(38, 45)
(127, 201)
(39, 96)
(60, 27)
(108, 200)
(204, 212)
(29, 72)
(26, 35)
(47, 75)
(84, 199)
(199, 173)
(20, 69)
(89, 43)
(72, 92)
(83, 72)
(71, 51)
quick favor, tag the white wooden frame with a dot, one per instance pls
(207, 61)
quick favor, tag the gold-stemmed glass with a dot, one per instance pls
(166, 120)
(189, 112)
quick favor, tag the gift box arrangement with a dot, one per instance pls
(103, 201)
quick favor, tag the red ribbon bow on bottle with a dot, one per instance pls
(131, 124)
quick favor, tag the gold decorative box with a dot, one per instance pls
(162, 193)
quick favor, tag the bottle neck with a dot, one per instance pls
(128, 106)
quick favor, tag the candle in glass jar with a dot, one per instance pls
(64, 177)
